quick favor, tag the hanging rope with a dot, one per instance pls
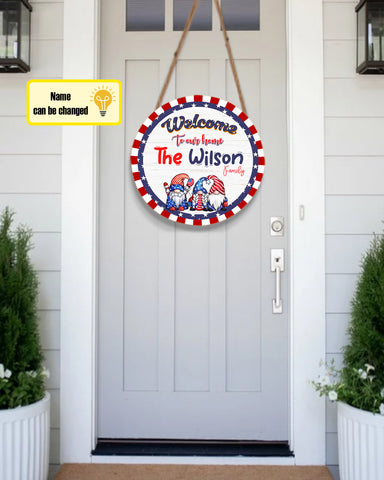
(227, 44)
(176, 54)
(181, 41)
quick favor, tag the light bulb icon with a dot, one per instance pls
(103, 98)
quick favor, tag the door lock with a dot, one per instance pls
(276, 226)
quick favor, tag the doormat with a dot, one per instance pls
(79, 471)
(201, 448)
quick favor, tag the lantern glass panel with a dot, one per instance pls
(361, 34)
(10, 26)
(376, 32)
(3, 39)
(24, 34)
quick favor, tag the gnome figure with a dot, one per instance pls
(216, 195)
(178, 192)
(199, 198)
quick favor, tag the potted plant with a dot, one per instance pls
(24, 404)
(359, 386)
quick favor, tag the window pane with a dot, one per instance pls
(202, 19)
(145, 15)
(241, 14)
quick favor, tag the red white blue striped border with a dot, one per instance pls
(172, 216)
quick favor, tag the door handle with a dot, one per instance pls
(277, 266)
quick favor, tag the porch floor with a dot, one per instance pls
(190, 472)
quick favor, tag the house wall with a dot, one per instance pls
(30, 183)
(354, 167)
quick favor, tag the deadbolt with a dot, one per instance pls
(277, 226)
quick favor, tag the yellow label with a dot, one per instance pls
(74, 102)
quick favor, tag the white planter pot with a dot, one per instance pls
(361, 443)
(24, 441)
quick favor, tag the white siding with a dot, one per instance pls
(354, 149)
(30, 183)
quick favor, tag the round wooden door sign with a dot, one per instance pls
(197, 160)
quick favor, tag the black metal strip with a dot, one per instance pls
(207, 448)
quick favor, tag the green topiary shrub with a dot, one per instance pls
(22, 374)
(360, 382)
(366, 330)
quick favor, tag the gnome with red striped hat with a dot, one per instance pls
(178, 192)
(216, 195)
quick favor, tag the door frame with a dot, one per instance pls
(79, 236)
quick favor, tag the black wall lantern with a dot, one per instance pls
(370, 36)
(15, 33)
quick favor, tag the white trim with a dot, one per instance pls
(306, 153)
(79, 205)
(79, 172)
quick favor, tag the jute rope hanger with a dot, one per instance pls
(178, 49)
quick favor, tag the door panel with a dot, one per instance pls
(188, 344)
(191, 76)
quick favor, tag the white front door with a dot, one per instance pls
(188, 345)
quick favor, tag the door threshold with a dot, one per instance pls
(191, 460)
(186, 448)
